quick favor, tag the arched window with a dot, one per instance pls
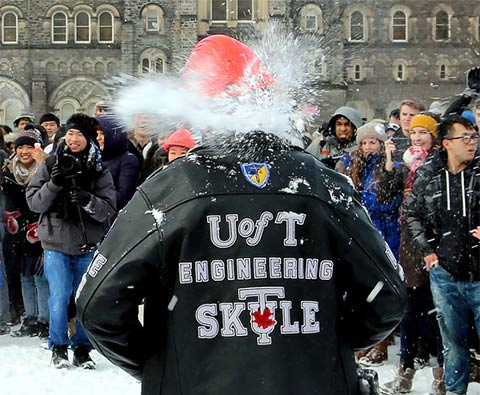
(10, 28)
(82, 28)
(399, 26)
(443, 72)
(245, 10)
(11, 109)
(67, 109)
(356, 26)
(105, 27)
(400, 72)
(357, 72)
(442, 26)
(151, 20)
(59, 28)
(311, 21)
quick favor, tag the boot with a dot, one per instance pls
(401, 383)
(377, 355)
(81, 357)
(28, 328)
(438, 384)
(60, 357)
(43, 329)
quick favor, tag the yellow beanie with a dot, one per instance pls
(424, 121)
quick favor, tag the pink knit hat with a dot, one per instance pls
(179, 138)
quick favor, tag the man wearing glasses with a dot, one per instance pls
(442, 213)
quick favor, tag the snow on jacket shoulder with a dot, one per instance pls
(247, 289)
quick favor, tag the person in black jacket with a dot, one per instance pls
(260, 273)
(260, 270)
(441, 212)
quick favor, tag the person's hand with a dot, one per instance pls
(79, 196)
(431, 261)
(473, 79)
(389, 149)
(57, 176)
(39, 155)
(476, 232)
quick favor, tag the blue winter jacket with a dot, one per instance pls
(384, 216)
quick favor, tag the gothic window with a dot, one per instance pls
(151, 20)
(67, 109)
(356, 26)
(153, 60)
(443, 72)
(442, 26)
(399, 26)
(82, 28)
(11, 109)
(105, 27)
(10, 28)
(59, 27)
(357, 72)
(311, 21)
(400, 72)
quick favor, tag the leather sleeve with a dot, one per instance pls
(371, 282)
(117, 281)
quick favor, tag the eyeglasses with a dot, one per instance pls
(467, 138)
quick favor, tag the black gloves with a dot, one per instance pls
(473, 79)
(57, 176)
(79, 196)
(473, 83)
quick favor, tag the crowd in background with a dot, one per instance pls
(415, 173)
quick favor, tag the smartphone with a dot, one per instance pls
(401, 145)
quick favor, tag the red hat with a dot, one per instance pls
(179, 138)
(220, 65)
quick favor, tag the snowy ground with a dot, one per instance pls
(25, 370)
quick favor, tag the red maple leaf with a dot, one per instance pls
(264, 319)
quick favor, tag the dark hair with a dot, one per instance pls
(5, 129)
(3, 145)
(445, 126)
(48, 117)
(395, 113)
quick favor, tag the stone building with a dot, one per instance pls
(57, 56)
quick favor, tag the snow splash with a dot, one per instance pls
(162, 104)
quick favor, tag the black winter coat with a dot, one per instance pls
(248, 289)
(427, 206)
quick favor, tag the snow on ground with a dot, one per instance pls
(25, 370)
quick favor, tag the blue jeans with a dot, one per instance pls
(4, 297)
(64, 273)
(34, 290)
(454, 300)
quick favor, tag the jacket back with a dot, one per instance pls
(247, 289)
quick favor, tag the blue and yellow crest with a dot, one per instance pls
(256, 174)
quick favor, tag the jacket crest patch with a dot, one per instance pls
(256, 174)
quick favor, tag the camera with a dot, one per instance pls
(69, 165)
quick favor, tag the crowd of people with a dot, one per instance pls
(62, 188)
(416, 174)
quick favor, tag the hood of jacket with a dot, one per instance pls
(115, 137)
(348, 112)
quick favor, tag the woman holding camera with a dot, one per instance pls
(74, 195)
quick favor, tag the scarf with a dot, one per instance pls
(22, 174)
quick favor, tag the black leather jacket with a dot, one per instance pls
(247, 290)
